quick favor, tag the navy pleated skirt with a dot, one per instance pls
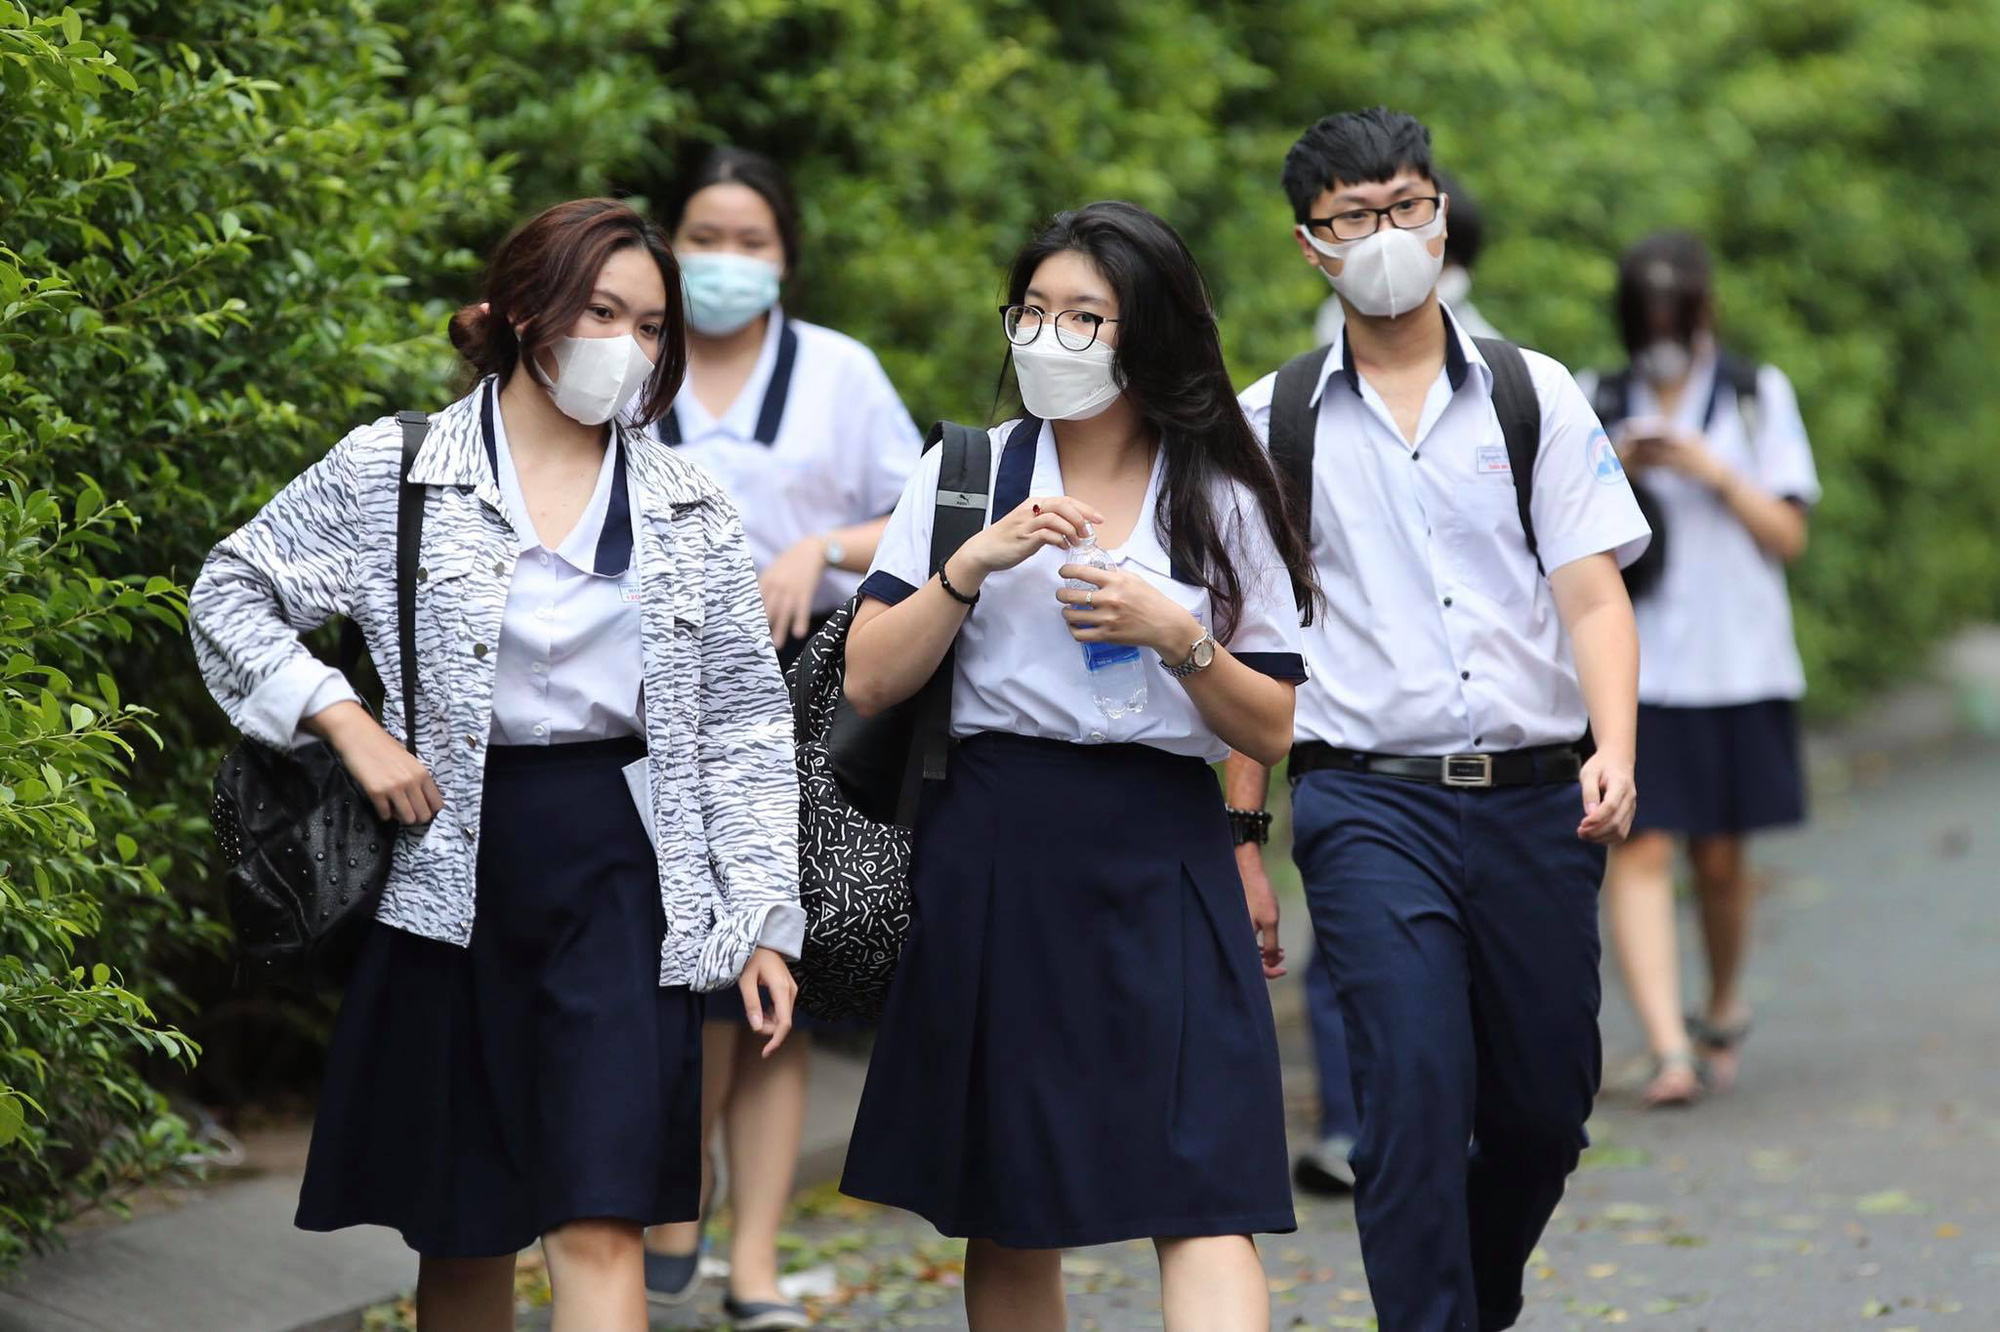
(477, 1098)
(1078, 1047)
(1705, 772)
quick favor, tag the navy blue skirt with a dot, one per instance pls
(1707, 772)
(477, 1098)
(1078, 1047)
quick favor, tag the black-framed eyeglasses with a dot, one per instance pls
(1075, 329)
(1361, 223)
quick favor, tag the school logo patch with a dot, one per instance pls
(1603, 456)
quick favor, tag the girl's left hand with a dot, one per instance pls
(788, 585)
(767, 970)
(1122, 607)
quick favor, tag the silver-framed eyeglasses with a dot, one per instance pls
(1361, 223)
(1076, 330)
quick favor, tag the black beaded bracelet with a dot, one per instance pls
(944, 581)
(1250, 825)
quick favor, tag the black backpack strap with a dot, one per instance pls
(1520, 413)
(965, 483)
(1611, 399)
(1740, 378)
(409, 539)
(1293, 425)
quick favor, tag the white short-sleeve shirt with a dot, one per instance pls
(1018, 669)
(1716, 630)
(836, 454)
(1440, 636)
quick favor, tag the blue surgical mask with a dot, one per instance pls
(726, 291)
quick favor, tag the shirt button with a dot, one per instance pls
(469, 834)
(541, 729)
(544, 559)
(1416, 456)
(1447, 601)
(541, 668)
(472, 742)
(500, 568)
(1478, 740)
(479, 650)
(1465, 675)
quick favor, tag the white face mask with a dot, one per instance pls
(1663, 362)
(1386, 274)
(1058, 384)
(595, 377)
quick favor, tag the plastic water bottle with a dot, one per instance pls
(1117, 676)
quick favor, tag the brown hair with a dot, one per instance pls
(542, 277)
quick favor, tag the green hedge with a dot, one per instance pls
(230, 230)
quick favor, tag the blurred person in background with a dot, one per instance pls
(1461, 251)
(809, 438)
(1719, 455)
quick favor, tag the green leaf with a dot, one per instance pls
(100, 974)
(128, 849)
(12, 1118)
(72, 25)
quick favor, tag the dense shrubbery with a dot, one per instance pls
(230, 230)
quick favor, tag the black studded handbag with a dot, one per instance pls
(307, 856)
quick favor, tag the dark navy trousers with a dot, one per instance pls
(1460, 927)
(1337, 1115)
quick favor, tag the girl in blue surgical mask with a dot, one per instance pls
(811, 441)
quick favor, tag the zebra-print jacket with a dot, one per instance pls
(725, 794)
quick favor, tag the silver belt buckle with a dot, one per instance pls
(1468, 770)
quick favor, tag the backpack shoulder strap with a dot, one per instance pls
(1739, 376)
(1520, 413)
(1294, 424)
(1611, 399)
(409, 540)
(965, 481)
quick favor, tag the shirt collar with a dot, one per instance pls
(1028, 464)
(740, 421)
(600, 543)
(1460, 355)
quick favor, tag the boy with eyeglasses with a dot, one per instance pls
(1468, 520)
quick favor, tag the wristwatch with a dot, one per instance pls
(834, 551)
(1250, 825)
(1199, 658)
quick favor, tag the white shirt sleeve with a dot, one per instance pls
(1582, 500)
(889, 440)
(1256, 404)
(903, 557)
(1784, 455)
(1266, 636)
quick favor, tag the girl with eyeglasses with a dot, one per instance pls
(1078, 1048)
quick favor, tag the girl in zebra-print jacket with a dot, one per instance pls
(536, 938)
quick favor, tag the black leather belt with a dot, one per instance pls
(1520, 767)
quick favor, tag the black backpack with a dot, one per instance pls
(1612, 401)
(1293, 422)
(307, 857)
(861, 778)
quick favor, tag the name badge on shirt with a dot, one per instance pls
(1493, 461)
(628, 587)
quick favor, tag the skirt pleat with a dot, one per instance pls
(1078, 1047)
(477, 1098)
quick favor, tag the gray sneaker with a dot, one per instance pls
(673, 1278)
(765, 1315)
(1324, 1169)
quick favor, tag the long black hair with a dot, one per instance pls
(1169, 360)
